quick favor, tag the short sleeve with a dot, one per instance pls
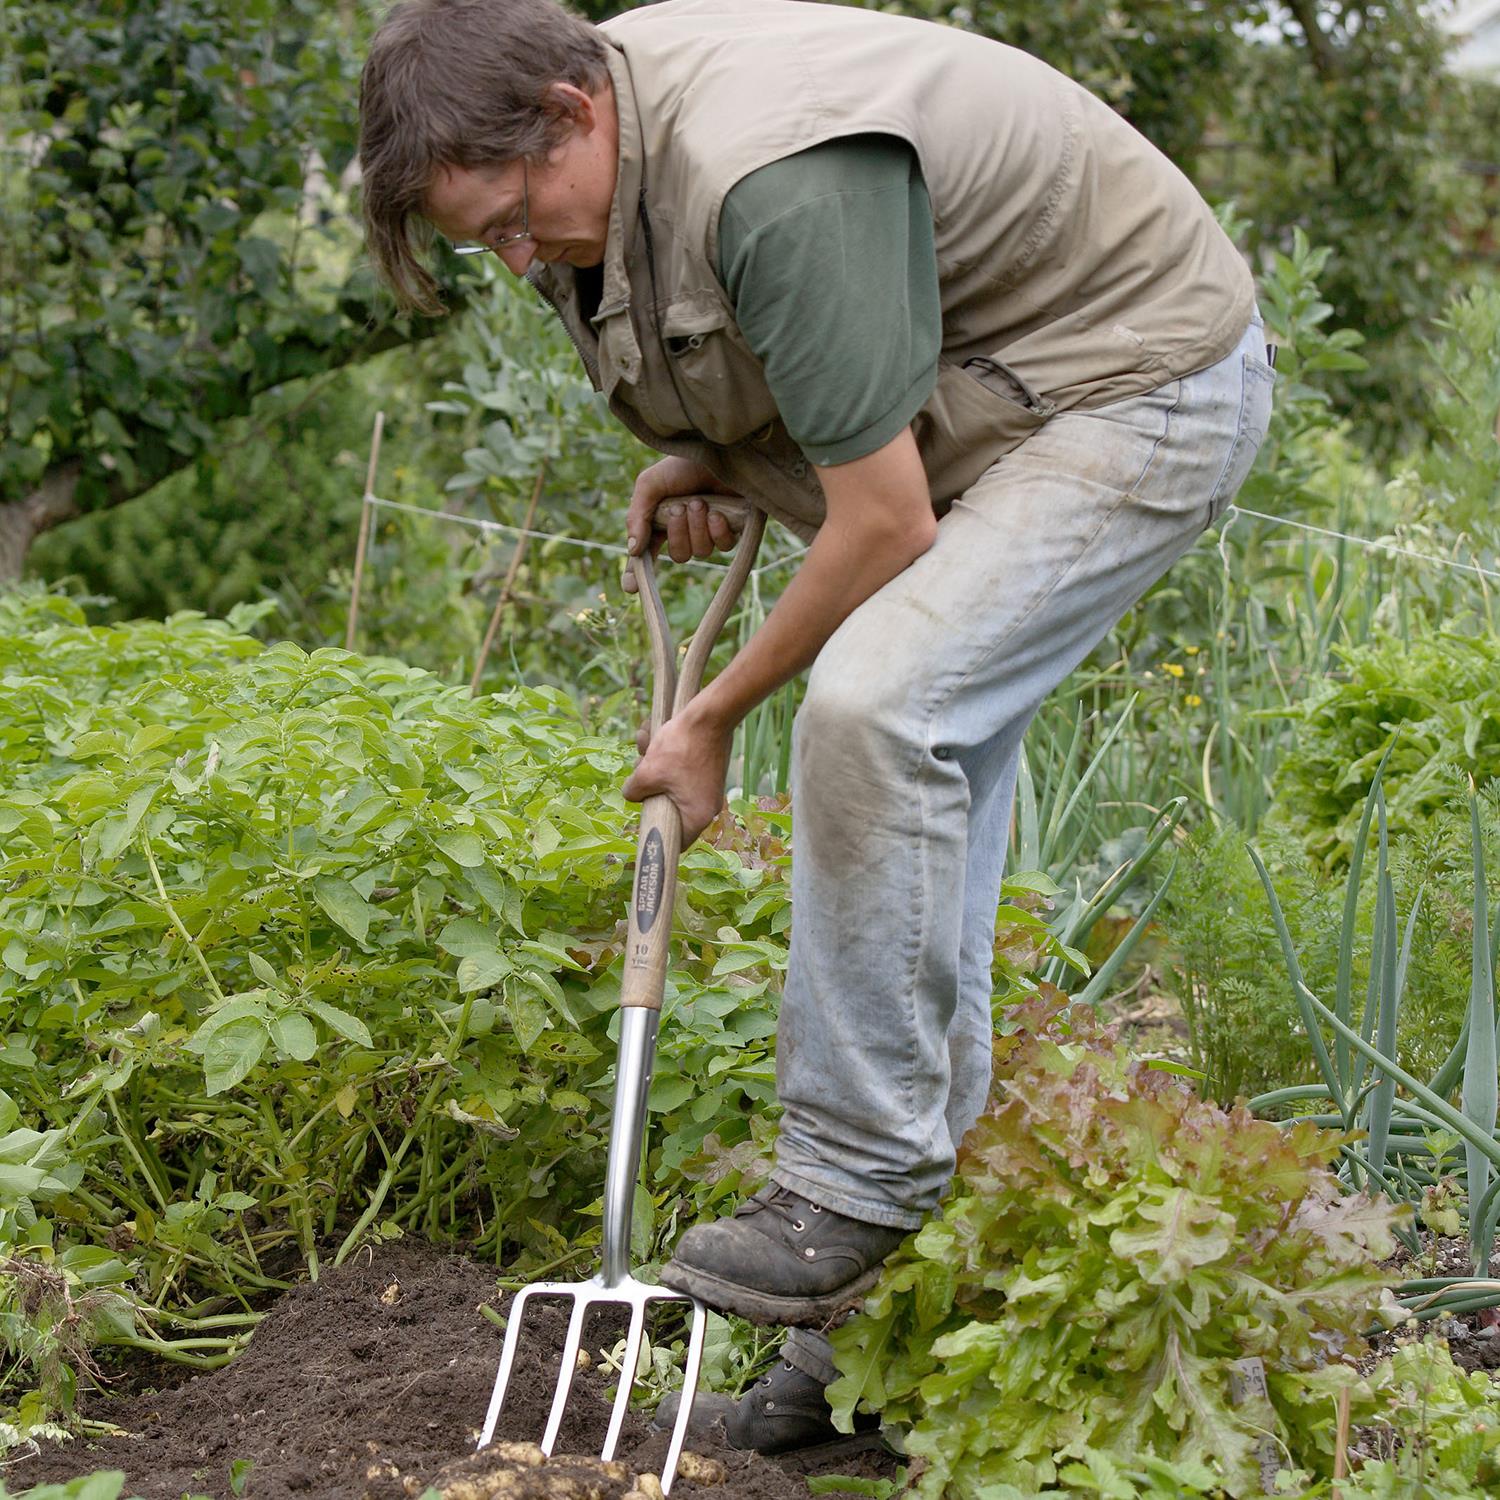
(828, 257)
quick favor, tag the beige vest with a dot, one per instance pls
(1076, 264)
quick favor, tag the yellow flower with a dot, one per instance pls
(1191, 650)
(1172, 668)
(1192, 700)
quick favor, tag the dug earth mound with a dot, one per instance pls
(370, 1385)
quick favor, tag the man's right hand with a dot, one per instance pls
(682, 506)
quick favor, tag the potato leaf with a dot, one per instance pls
(351, 1028)
(345, 906)
(293, 1034)
(232, 1050)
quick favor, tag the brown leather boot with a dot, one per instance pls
(784, 1411)
(781, 1258)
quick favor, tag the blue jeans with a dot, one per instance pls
(905, 766)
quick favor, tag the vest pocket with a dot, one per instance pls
(619, 353)
(1009, 386)
(713, 370)
(977, 413)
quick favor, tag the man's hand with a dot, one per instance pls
(688, 759)
(879, 521)
(673, 505)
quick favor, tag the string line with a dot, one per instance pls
(480, 524)
(1370, 544)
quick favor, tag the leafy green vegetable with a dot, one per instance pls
(1110, 1248)
(1428, 701)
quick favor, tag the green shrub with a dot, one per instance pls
(295, 948)
(1431, 700)
(1458, 473)
(274, 504)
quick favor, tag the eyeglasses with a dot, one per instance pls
(505, 241)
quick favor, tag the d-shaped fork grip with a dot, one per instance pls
(660, 842)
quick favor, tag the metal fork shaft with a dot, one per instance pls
(637, 1057)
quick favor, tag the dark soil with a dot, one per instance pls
(371, 1384)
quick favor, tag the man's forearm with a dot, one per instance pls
(847, 562)
(879, 521)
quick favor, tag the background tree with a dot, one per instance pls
(1359, 134)
(176, 237)
(1167, 67)
(163, 261)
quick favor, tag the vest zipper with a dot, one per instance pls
(590, 365)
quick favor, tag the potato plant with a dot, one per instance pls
(299, 949)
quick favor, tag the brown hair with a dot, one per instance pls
(457, 83)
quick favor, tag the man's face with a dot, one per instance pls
(565, 197)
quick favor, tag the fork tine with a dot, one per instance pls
(691, 1369)
(569, 1369)
(507, 1360)
(628, 1368)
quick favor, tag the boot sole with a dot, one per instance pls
(845, 1445)
(841, 1445)
(764, 1307)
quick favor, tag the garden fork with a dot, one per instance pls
(641, 987)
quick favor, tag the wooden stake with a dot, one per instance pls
(1341, 1442)
(510, 578)
(364, 532)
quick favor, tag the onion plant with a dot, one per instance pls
(1057, 823)
(1407, 1125)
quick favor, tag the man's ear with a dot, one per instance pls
(572, 103)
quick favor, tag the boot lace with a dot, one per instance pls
(790, 1207)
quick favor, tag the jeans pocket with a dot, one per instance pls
(1258, 380)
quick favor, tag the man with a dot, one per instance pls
(941, 312)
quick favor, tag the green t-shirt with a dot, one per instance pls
(828, 257)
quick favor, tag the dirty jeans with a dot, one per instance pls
(904, 769)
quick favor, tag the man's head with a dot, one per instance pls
(471, 110)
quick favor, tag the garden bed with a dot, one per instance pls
(370, 1385)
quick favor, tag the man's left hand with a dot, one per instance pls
(688, 760)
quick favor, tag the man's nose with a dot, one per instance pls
(517, 257)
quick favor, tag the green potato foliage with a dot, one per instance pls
(298, 949)
(1110, 1247)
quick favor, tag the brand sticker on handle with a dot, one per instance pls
(649, 877)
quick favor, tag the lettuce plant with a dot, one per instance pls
(1112, 1246)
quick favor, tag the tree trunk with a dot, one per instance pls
(22, 521)
(53, 501)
